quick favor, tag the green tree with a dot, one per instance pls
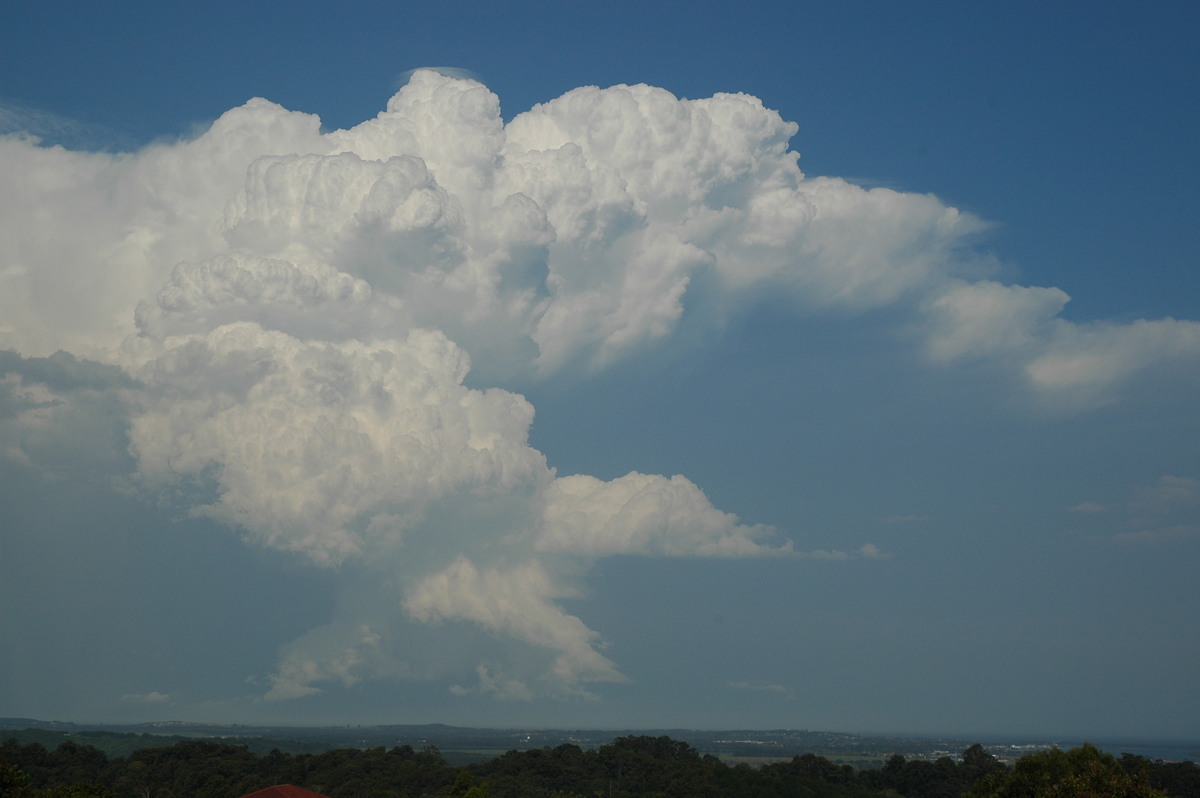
(1083, 772)
(465, 787)
(14, 782)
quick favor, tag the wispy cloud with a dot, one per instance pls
(1161, 513)
(46, 127)
(1169, 494)
(1167, 534)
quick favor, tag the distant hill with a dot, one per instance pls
(121, 739)
(113, 744)
(461, 743)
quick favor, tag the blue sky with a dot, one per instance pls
(919, 491)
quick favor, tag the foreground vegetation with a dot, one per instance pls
(629, 766)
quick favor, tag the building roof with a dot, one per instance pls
(284, 791)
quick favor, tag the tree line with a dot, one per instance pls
(658, 767)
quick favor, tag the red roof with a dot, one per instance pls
(284, 791)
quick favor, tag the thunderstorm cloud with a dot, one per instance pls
(317, 338)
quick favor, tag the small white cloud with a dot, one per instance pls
(824, 554)
(152, 697)
(872, 552)
(867, 551)
(762, 687)
(1089, 508)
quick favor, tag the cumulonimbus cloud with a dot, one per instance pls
(296, 314)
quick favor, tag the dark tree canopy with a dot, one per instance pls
(654, 767)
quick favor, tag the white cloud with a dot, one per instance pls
(872, 552)
(153, 697)
(1086, 364)
(518, 601)
(1070, 365)
(294, 316)
(85, 236)
(987, 319)
(309, 442)
(570, 236)
(643, 514)
(461, 73)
